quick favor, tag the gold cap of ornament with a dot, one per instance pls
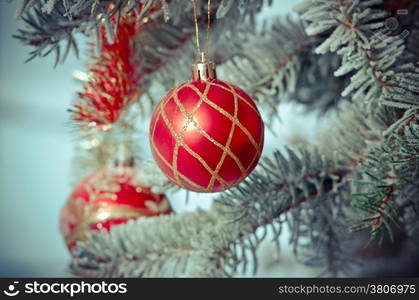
(203, 69)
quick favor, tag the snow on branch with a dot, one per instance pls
(268, 64)
(52, 21)
(223, 241)
(388, 182)
(147, 247)
(290, 189)
(370, 51)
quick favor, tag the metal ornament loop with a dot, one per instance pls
(203, 69)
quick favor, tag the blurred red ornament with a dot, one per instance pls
(106, 198)
(206, 135)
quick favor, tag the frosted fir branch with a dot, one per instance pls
(279, 64)
(306, 191)
(50, 22)
(49, 6)
(45, 33)
(165, 47)
(222, 244)
(350, 134)
(357, 29)
(376, 198)
(149, 247)
(373, 143)
(389, 177)
(283, 182)
(321, 237)
(267, 64)
(286, 184)
(351, 137)
(286, 189)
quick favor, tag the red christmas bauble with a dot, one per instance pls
(108, 197)
(206, 135)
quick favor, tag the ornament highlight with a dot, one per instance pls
(206, 135)
(108, 197)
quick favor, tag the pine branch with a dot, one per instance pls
(50, 22)
(268, 64)
(357, 29)
(353, 131)
(303, 189)
(390, 171)
(165, 47)
(226, 239)
(282, 183)
(280, 186)
(148, 247)
(321, 238)
(45, 32)
(131, 59)
(306, 189)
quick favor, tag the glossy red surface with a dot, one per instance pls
(207, 136)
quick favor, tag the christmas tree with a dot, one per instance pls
(348, 198)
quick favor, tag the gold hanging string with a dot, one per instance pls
(208, 25)
(201, 54)
(198, 47)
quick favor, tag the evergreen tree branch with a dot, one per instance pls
(390, 175)
(282, 187)
(49, 22)
(148, 247)
(357, 30)
(226, 242)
